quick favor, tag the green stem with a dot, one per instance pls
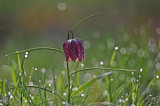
(34, 86)
(93, 15)
(68, 83)
(100, 68)
(34, 49)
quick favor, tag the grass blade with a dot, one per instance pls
(118, 92)
(89, 83)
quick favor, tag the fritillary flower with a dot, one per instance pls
(73, 49)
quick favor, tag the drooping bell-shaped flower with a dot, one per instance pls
(74, 49)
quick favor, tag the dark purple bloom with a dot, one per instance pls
(74, 49)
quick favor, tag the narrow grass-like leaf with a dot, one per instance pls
(27, 96)
(89, 83)
(118, 92)
(1, 86)
(4, 88)
(13, 73)
(100, 68)
(112, 58)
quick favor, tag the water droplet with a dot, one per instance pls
(111, 79)
(137, 80)
(11, 96)
(82, 65)
(43, 70)
(141, 69)
(35, 69)
(62, 6)
(26, 52)
(120, 100)
(17, 51)
(105, 93)
(20, 74)
(116, 48)
(64, 94)
(126, 99)
(63, 102)
(49, 84)
(26, 56)
(150, 95)
(101, 63)
(139, 76)
(9, 93)
(82, 95)
(6, 54)
(74, 89)
(39, 80)
(157, 76)
(26, 101)
(132, 72)
(30, 83)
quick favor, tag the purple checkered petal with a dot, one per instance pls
(65, 48)
(80, 49)
(72, 48)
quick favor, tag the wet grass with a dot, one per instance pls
(117, 70)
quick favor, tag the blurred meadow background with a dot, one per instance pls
(134, 31)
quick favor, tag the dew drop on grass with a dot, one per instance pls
(11, 96)
(111, 79)
(20, 74)
(75, 89)
(26, 101)
(82, 95)
(6, 54)
(49, 84)
(105, 93)
(132, 73)
(63, 102)
(137, 80)
(139, 76)
(39, 80)
(26, 56)
(43, 70)
(82, 65)
(35, 69)
(116, 48)
(120, 100)
(26, 53)
(126, 99)
(30, 83)
(101, 63)
(157, 76)
(141, 69)
(64, 94)
(9, 93)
